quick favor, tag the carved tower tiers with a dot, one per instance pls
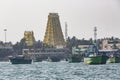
(53, 35)
(29, 38)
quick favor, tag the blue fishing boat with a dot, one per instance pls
(20, 59)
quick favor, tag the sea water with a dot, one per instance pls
(59, 71)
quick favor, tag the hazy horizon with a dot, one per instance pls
(81, 16)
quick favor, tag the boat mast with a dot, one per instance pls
(95, 41)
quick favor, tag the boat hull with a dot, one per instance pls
(99, 59)
(104, 59)
(74, 59)
(113, 60)
(93, 60)
(20, 61)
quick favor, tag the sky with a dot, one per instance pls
(81, 16)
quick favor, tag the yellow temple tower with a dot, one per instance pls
(53, 35)
(29, 38)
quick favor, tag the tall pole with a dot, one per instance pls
(95, 34)
(5, 35)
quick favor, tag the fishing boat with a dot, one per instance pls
(76, 55)
(113, 59)
(93, 56)
(20, 59)
(113, 56)
(74, 58)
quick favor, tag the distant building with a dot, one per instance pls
(83, 46)
(108, 44)
(29, 38)
(7, 45)
(53, 35)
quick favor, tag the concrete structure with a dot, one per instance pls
(83, 46)
(43, 54)
(29, 38)
(108, 44)
(7, 45)
(53, 35)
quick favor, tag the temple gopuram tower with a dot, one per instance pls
(29, 38)
(53, 35)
